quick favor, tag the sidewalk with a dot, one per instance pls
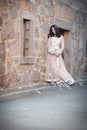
(36, 88)
(45, 107)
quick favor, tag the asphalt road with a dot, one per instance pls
(52, 109)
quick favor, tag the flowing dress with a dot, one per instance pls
(55, 67)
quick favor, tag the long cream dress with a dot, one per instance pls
(55, 67)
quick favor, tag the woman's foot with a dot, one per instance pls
(70, 82)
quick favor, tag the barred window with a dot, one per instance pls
(26, 38)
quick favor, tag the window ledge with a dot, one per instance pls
(26, 60)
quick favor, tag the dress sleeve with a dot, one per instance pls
(49, 46)
(62, 44)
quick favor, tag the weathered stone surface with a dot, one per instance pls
(5, 82)
(3, 4)
(64, 11)
(85, 67)
(7, 29)
(24, 79)
(43, 69)
(37, 33)
(45, 28)
(26, 60)
(14, 12)
(17, 70)
(27, 6)
(35, 76)
(0, 22)
(36, 44)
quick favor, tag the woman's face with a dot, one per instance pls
(53, 30)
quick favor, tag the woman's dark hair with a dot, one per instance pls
(51, 34)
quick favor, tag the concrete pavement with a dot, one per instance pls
(50, 108)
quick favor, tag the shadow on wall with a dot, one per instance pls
(85, 70)
(2, 63)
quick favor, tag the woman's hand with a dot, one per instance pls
(52, 52)
(58, 54)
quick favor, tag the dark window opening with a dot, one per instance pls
(26, 40)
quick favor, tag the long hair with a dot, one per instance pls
(57, 30)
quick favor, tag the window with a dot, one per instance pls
(26, 38)
(26, 25)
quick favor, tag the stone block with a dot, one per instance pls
(27, 6)
(37, 33)
(5, 81)
(0, 82)
(26, 60)
(64, 24)
(14, 11)
(67, 13)
(23, 5)
(43, 69)
(45, 28)
(35, 76)
(24, 78)
(36, 44)
(1, 22)
(7, 29)
(3, 4)
(64, 11)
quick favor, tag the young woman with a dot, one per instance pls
(55, 67)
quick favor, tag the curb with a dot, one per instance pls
(22, 90)
(15, 93)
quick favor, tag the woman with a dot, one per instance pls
(55, 67)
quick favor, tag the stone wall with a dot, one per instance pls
(46, 12)
(78, 44)
(85, 43)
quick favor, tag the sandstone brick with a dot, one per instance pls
(14, 12)
(27, 60)
(24, 5)
(7, 29)
(36, 44)
(43, 69)
(2, 70)
(30, 7)
(35, 77)
(37, 33)
(45, 28)
(64, 11)
(18, 70)
(5, 16)
(0, 82)
(1, 22)
(8, 67)
(37, 66)
(3, 4)
(24, 78)
(5, 81)
(43, 77)
(2, 45)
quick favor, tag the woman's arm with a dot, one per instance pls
(61, 45)
(49, 47)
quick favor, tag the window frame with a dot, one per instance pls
(30, 58)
